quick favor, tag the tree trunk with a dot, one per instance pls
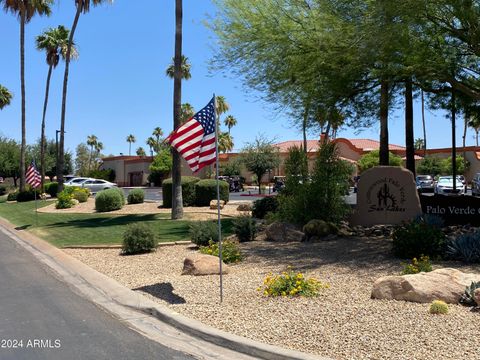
(466, 116)
(42, 139)
(454, 149)
(22, 80)
(476, 136)
(61, 147)
(409, 136)
(304, 129)
(177, 199)
(424, 128)
(383, 158)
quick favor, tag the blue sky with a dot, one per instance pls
(118, 85)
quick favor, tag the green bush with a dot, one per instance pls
(438, 307)
(418, 238)
(28, 195)
(206, 191)
(64, 199)
(201, 232)
(417, 266)
(12, 196)
(109, 200)
(107, 174)
(465, 247)
(188, 191)
(120, 192)
(319, 228)
(230, 251)
(51, 188)
(138, 238)
(80, 195)
(245, 228)
(136, 196)
(3, 190)
(262, 207)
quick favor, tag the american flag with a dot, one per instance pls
(195, 140)
(33, 176)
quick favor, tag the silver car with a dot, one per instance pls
(96, 185)
(444, 186)
(76, 181)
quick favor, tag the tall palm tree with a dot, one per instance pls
(158, 133)
(98, 149)
(5, 97)
(230, 122)
(222, 105)
(130, 139)
(177, 199)
(185, 69)
(92, 141)
(54, 42)
(419, 144)
(152, 144)
(225, 142)
(25, 10)
(141, 151)
(81, 6)
(186, 113)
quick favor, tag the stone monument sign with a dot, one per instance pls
(386, 195)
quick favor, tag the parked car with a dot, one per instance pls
(476, 185)
(278, 183)
(1, 179)
(76, 181)
(425, 183)
(96, 185)
(444, 186)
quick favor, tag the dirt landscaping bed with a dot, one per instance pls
(342, 323)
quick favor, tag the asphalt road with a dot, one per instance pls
(41, 318)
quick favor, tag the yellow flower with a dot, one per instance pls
(284, 293)
(287, 277)
(298, 282)
(265, 293)
(259, 289)
(299, 276)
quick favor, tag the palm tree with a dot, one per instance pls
(141, 151)
(185, 69)
(177, 199)
(130, 139)
(158, 133)
(81, 6)
(152, 144)
(25, 10)
(98, 149)
(221, 105)
(92, 141)
(225, 142)
(419, 144)
(230, 122)
(186, 113)
(54, 43)
(5, 97)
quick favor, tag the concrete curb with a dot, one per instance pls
(104, 291)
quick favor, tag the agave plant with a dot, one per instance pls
(467, 298)
(466, 247)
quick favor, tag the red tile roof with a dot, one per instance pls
(369, 144)
(312, 145)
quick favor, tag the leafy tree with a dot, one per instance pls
(5, 97)
(259, 157)
(461, 165)
(82, 160)
(25, 10)
(9, 159)
(130, 139)
(474, 123)
(160, 167)
(50, 153)
(185, 69)
(82, 6)
(141, 151)
(54, 42)
(371, 159)
(430, 165)
(233, 167)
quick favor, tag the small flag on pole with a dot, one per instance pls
(195, 140)
(32, 176)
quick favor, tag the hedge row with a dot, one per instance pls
(195, 192)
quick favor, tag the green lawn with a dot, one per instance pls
(91, 229)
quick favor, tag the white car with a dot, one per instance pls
(76, 181)
(444, 186)
(96, 185)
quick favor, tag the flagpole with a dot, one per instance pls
(218, 201)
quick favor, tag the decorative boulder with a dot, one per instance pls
(476, 296)
(281, 232)
(442, 284)
(213, 204)
(202, 264)
(244, 207)
(319, 229)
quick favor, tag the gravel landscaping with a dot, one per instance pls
(342, 323)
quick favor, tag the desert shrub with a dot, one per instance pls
(109, 200)
(138, 238)
(51, 188)
(417, 266)
(106, 174)
(438, 307)
(120, 192)
(160, 167)
(245, 228)
(12, 196)
(417, 238)
(468, 298)
(262, 207)
(319, 228)
(81, 196)
(28, 195)
(64, 199)
(3, 190)
(465, 247)
(201, 232)
(188, 191)
(291, 283)
(206, 191)
(433, 220)
(136, 196)
(230, 251)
